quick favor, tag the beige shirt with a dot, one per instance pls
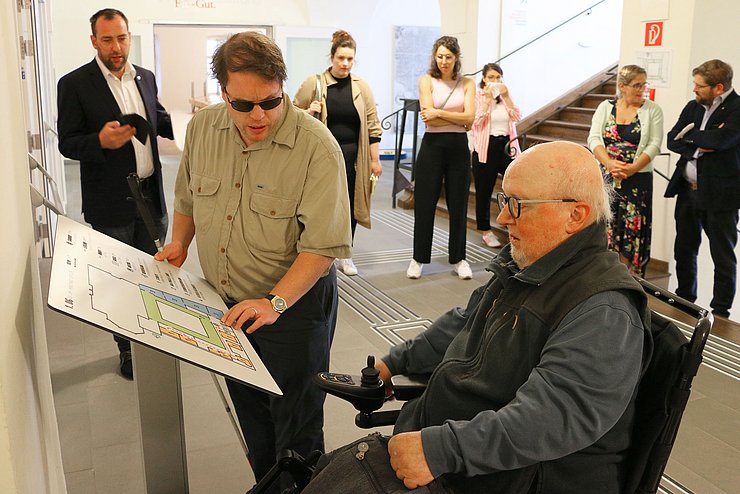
(256, 208)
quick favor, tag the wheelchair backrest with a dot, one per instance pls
(663, 391)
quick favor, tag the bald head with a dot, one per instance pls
(564, 170)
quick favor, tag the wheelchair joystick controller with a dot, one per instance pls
(366, 392)
(370, 375)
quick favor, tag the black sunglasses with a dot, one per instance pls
(245, 106)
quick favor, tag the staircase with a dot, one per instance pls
(569, 117)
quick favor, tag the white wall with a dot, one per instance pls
(30, 460)
(550, 67)
(562, 59)
(182, 61)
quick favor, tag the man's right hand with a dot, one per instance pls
(385, 375)
(113, 135)
(174, 253)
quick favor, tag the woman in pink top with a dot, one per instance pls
(493, 128)
(447, 102)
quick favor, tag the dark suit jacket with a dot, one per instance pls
(718, 172)
(85, 104)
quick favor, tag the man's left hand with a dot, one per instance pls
(258, 310)
(408, 460)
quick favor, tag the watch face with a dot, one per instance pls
(279, 304)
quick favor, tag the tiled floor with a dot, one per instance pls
(96, 408)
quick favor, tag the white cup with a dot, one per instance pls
(495, 88)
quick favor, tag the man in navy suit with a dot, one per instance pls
(90, 100)
(707, 182)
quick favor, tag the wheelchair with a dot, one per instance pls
(662, 396)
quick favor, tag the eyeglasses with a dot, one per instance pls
(638, 86)
(245, 106)
(702, 86)
(515, 205)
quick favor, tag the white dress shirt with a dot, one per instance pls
(691, 172)
(129, 100)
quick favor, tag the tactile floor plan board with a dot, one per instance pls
(125, 291)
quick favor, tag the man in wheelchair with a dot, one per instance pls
(533, 384)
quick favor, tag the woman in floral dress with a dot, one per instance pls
(626, 135)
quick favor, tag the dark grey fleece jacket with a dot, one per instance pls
(536, 376)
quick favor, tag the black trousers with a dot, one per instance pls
(721, 229)
(443, 158)
(293, 349)
(349, 152)
(485, 174)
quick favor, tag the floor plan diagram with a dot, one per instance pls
(120, 289)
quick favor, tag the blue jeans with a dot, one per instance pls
(293, 349)
(136, 235)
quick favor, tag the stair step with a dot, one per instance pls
(538, 138)
(561, 129)
(568, 125)
(577, 114)
(592, 100)
(609, 87)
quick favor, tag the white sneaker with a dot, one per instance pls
(463, 270)
(347, 266)
(414, 270)
(491, 240)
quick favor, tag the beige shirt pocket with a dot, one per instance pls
(273, 226)
(204, 201)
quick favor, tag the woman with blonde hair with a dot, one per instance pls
(345, 104)
(625, 137)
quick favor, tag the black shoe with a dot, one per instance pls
(127, 367)
(721, 313)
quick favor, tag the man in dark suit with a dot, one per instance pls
(91, 99)
(707, 182)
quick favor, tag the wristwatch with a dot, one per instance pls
(279, 304)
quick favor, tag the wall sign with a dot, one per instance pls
(654, 33)
(197, 4)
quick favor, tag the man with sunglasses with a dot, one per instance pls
(91, 100)
(534, 382)
(707, 183)
(262, 187)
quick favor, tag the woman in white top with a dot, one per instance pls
(447, 101)
(493, 129)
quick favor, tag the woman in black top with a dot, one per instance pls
(346, 105)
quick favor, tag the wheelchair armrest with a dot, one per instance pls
(407, 388)
(366, 392)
